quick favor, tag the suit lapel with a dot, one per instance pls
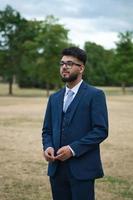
(72, 108)
(60, 99)
(73, 105)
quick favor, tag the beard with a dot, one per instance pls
(71, 78)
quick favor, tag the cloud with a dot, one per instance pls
(98, 20)
(87, 30)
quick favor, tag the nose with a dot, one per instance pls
(64, 65)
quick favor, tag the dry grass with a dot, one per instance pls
(22, 168)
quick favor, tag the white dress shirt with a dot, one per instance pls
(74, 89)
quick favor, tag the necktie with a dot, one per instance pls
(69, 99)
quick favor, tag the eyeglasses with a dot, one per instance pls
(68, 64)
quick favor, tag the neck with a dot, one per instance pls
(73, 83)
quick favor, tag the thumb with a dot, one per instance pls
(59, 151)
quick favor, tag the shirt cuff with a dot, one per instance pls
(48, 148)
(73, 153)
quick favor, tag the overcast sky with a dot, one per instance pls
(88, 20)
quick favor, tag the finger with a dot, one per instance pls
(60, 151)
(48, 156)
(50, 152)
(50, 159)
(60, 157)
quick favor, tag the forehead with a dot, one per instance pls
(69, 58)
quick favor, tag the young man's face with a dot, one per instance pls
(70, 68)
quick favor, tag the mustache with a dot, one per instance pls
(65, 70)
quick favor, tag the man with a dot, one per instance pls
(75, 124)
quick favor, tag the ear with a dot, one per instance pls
(82, 68)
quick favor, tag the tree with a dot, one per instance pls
(123, 63)
(97, 70)
(51, 39)
(28, 72)
(30, 50)
(11, 24)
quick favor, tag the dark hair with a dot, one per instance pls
(76, 52)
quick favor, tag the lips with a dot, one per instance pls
(65, 73)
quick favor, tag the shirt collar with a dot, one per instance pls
(75, 88)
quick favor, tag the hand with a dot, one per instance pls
(63, 153)
(49, 154)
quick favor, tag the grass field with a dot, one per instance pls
(22, 168)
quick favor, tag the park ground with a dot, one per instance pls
(22, 167)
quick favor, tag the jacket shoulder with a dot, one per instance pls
(92, 89)
(58, 93)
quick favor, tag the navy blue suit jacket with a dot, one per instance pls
(86, 126)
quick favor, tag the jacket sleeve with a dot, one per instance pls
(99, 130)
(47, 127)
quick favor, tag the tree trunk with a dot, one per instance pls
(10, 86)
(123, 85)
(47, 89)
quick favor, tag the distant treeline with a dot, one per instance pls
(30, 53)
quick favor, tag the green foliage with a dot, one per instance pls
(28, 71)
(11, 39)
(52, 39)
(98, 65)
(111, 67)
(30, 52)
(123, 62)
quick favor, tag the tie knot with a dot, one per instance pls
(70, 93)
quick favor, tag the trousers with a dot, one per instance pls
(65, 187)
